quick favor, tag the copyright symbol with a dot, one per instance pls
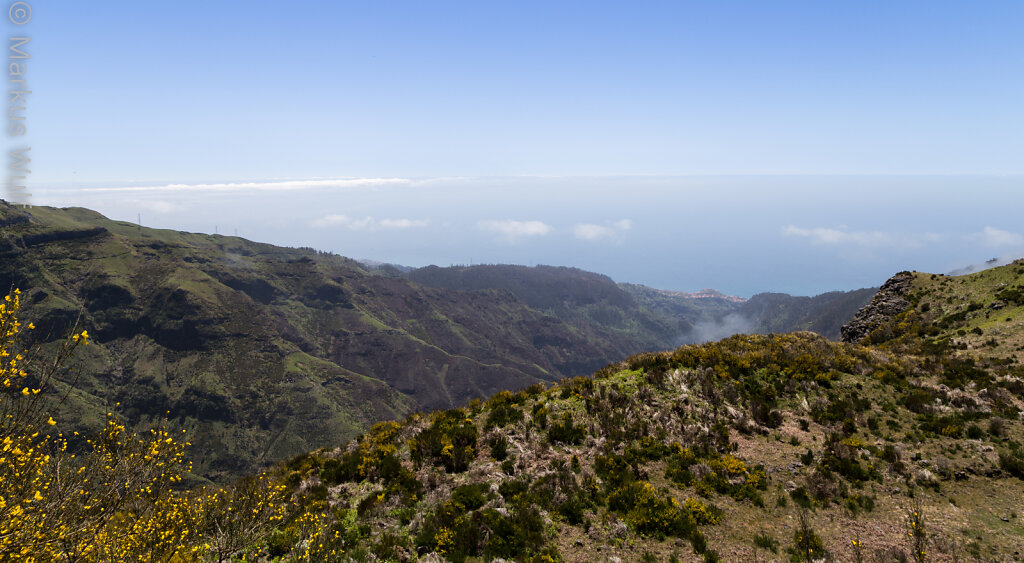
(20, 13)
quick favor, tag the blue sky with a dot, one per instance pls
(747, 146)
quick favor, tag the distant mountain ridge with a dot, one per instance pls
(703, 294)
(714, 315)
(823, 314)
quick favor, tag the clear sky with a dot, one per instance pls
(746, 146)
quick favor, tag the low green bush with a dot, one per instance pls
(503, 411)
(499, 447)
(450, 441)
(566, 432)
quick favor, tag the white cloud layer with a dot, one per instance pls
(989, 236)
(820, 235)
(872, 239)
(284, 185)
(367, 223)
(998, 237)
(156, 205)
(590, 231)
(513, 230)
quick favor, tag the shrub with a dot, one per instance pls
(646, 449)
(503, 410)
(509, 466)
(566, 432)
(807, 458)
(703, 513)
(471, 496)
(345, 468)
(764, 540)
(996, 426)
(957, 372)
(1012, 463)
(916, 532)
(807, 546)
(499, 447)
(534, 390)
(678, 467)
(648, 512)
(390, 546)
(614, 470)
(540, 415)
(856, 503)
(521, 533)
(801, 497)
(373, 458)
(450, 441)
(698, 541)
(918, 400)
(1012, 294)
(513, 488)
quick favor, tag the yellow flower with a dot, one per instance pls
(51, 422)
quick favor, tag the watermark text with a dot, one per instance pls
(18, 55)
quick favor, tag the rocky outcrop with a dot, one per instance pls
(890, 301)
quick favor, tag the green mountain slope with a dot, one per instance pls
(632, 317)
(591, 303)
(264, 351)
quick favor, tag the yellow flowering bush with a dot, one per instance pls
(648, 512)
(116, 499)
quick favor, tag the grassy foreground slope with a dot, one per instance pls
(905, 446)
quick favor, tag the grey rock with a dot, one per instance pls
(619, 529)
(890, 301)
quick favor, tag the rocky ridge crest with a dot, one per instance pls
(890, 301)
